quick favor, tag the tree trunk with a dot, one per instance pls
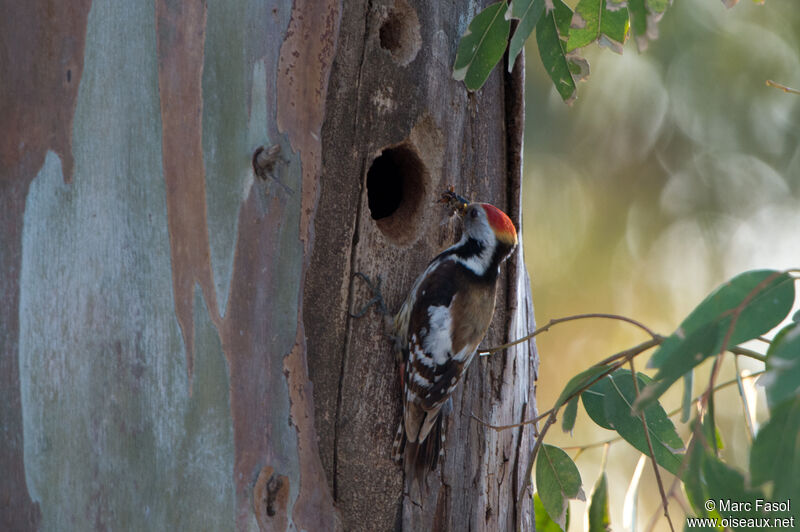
(164, 306)
(399, 130)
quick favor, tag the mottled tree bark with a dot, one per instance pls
(398, 130)
(166, 310)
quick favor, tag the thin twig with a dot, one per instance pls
(581, 448)
(656, 340)
(651, 524)
(784, 88)
(650, 450)
(498, 428)
(556, 321)
(749, 353)
(623, 355)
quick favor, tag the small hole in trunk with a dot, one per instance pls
(399, 33)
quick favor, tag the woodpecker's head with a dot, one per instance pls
(489, 238)
(484, 222)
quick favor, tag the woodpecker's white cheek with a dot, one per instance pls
(438, 342)
(479, 229)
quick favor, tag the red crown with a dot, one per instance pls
(501, 224)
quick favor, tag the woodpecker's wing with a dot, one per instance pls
(451, 311)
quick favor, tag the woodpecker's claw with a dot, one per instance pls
(377, 297)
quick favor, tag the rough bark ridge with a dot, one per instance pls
(397, 131)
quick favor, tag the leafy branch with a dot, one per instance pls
(561, 34)
(627, 401)
(581, 448)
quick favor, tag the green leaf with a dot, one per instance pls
(579, 381)
(775, 455)
(718, 439)
(686, 354)
(781, 335)
(701, 334)
(658, 6)
(713, 438)
(593, 21)
(763, 312)
(638, 16)
(644, 23)
(528, 12)
(545, 523)
(709, 478)
(663, 437)
(557, 480)
(598, 508)
(570, 413)
(549, 29)
(482, 46)
(616, 393)
(594, 401)
(782, 380)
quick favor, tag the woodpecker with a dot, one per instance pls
(441, 323)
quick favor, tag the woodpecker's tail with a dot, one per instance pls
(419, 457)
(433, 447)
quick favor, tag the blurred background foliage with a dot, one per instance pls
(675, 169)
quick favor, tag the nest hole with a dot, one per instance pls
(399, 33)
(396, 183)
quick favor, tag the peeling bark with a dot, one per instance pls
(37, 99)
(180, 29)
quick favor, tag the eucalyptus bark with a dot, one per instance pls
(166, 309)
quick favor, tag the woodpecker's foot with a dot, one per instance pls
(377, 296)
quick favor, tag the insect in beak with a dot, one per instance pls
(457, 204)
